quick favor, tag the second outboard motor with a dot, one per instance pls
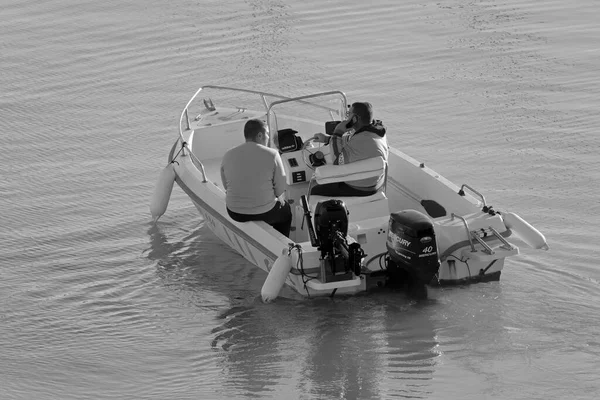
(412, 248)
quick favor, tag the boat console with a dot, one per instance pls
(300, 158)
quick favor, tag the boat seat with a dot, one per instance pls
(358, 170)
(351, 200)
(359, 207)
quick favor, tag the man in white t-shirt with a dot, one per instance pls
(254, 179)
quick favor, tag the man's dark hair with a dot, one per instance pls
(364, 111)
(253, 127)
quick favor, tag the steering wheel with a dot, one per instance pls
(313, 156)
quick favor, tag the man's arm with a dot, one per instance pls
(278, 176)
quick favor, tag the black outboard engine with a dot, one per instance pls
(412, 249)
(330, 216)
(338, 258)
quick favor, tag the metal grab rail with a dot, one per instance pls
(196, 159)
(462, 192)
(505, 243)
(302, 99)
(468, 231)
(184, 113)
(486, 247)
(263, 95)
(473, 235)
(311, 96)
(268, 107)
(192, 156)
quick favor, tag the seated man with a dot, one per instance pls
(254, 178)
(357, 138)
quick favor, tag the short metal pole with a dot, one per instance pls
(468, 231)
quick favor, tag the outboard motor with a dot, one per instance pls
(412, 249)
(330, 216)
(339, 259)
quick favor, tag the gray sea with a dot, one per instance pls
(97, 302)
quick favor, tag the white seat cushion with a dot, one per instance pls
(349, 200)
(354, 171)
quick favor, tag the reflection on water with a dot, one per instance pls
(249, 341)
(369, 346)
(379, 345)
(343, 360)
(160, 249)
(175, 261)
(194, 264)
(412, 349)
(366, 347)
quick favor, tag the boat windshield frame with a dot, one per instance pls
(303, 99)
(184, 121)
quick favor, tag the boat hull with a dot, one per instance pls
(261, 250)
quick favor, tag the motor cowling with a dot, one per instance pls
(331, 216)
(339, 258)
(412, 247)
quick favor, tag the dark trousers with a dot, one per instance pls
(340, 189)
(279, 217)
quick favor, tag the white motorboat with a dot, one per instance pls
(419, 228)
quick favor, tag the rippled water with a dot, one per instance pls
(96, 302)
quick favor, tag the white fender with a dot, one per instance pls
(277, 276)
(525, 231)
(162, 192)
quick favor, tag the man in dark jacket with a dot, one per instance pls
(357, 138)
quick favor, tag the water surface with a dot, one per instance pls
(97, 302)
